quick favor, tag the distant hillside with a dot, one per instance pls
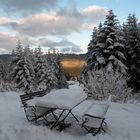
(6, 57)
(71, 56)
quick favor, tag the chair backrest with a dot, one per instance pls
(37, 93)
(109, 99)
(107, 104)
(24, 98)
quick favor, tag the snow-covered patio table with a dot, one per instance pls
(63, 100)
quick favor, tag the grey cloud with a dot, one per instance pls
(46, 24)
(63, 22)
(63, 45)
(66, 49)
(70, 10)
(7, 42)
(48, 43)
(11, 24)
(76, 49)
(94, 14)
(72, 49)
(25, 6)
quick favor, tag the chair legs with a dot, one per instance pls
(58, 120)
(61, 118)
(56, 123)
(93, 130)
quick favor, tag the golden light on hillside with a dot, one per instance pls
(73, 67)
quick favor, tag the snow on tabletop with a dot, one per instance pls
(62, 98)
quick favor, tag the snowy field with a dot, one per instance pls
(123, 123)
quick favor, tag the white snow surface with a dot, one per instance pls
(123, 122)
(61, 98)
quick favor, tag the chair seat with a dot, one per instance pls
(97, 110)
(37, 110)
(92, 122)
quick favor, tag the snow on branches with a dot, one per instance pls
(101, 84)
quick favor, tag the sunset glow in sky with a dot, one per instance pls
(63, 24)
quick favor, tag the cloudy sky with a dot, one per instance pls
(63, 24)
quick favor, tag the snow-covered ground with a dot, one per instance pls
(123, 123)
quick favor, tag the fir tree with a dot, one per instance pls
(35, 52)
(23, 75)
(5, 77)
(91, 54)
(19, 49)
(132, 35)
(38, 51)
(107, 46)
(91, 47)
(46, 80)
(27, 51)
(13, 52)
(29, 55)
(106, 52)
(18, 53)
(58, 72)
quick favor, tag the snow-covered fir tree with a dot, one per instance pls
(23, 75)
(5, 77)
(46, 79)
(38, 51)
(2, 71)
(110, 46)
(27, 51)
(107, 48)
(35, 52)
(13, 52)
(58, 72)
(90, 55)
(19, 49)
(132, 35)
(106, 51)
(17, 53)
(91, 48)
